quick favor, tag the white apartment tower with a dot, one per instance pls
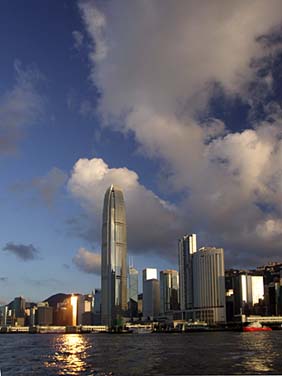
(201, 281)
(209, 285)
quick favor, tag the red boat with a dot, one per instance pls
(256, 327)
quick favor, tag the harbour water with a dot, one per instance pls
(136, 354)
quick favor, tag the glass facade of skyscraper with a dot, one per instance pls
(114, 255)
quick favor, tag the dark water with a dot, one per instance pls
(137, 354)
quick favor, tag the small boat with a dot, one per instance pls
(256, 327)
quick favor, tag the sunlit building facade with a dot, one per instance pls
(209, 285)
(149, 273)
(250, 291)
(114, 254)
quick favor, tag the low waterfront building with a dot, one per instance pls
(44, 314)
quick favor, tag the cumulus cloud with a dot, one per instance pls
(153, 224)
(167, 59)
(20, 107)
(167, 64)
(22, 251)
(88, 262)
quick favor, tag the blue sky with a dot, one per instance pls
(179, 105)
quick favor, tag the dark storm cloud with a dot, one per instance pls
(22, 251)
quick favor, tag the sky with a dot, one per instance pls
(180, 104)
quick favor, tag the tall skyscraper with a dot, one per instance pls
(114, 254)
(169, 291)
(209, 285)
(187, 246)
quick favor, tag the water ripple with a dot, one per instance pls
(156, 354)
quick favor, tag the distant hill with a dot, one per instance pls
(57, 298)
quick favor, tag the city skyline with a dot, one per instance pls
(190, 131)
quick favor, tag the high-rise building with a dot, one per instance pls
(84, 308)
(133, 284)
(244, 293)
(18, 305)
(133, 291)
(169, 291)
(187, 246)
(114, 253)
(97, 307)
(151, 293)
(3, 315)
(97, 301)
(209, 285)
(151, 299)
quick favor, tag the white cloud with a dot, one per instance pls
(270, 229)
(96, 24)
(155, 66)
(88, 262)
(164, 56)
(153, 224)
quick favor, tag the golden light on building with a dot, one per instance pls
(74, 309)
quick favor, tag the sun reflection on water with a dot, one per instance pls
(260, 353)
(70, 354)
